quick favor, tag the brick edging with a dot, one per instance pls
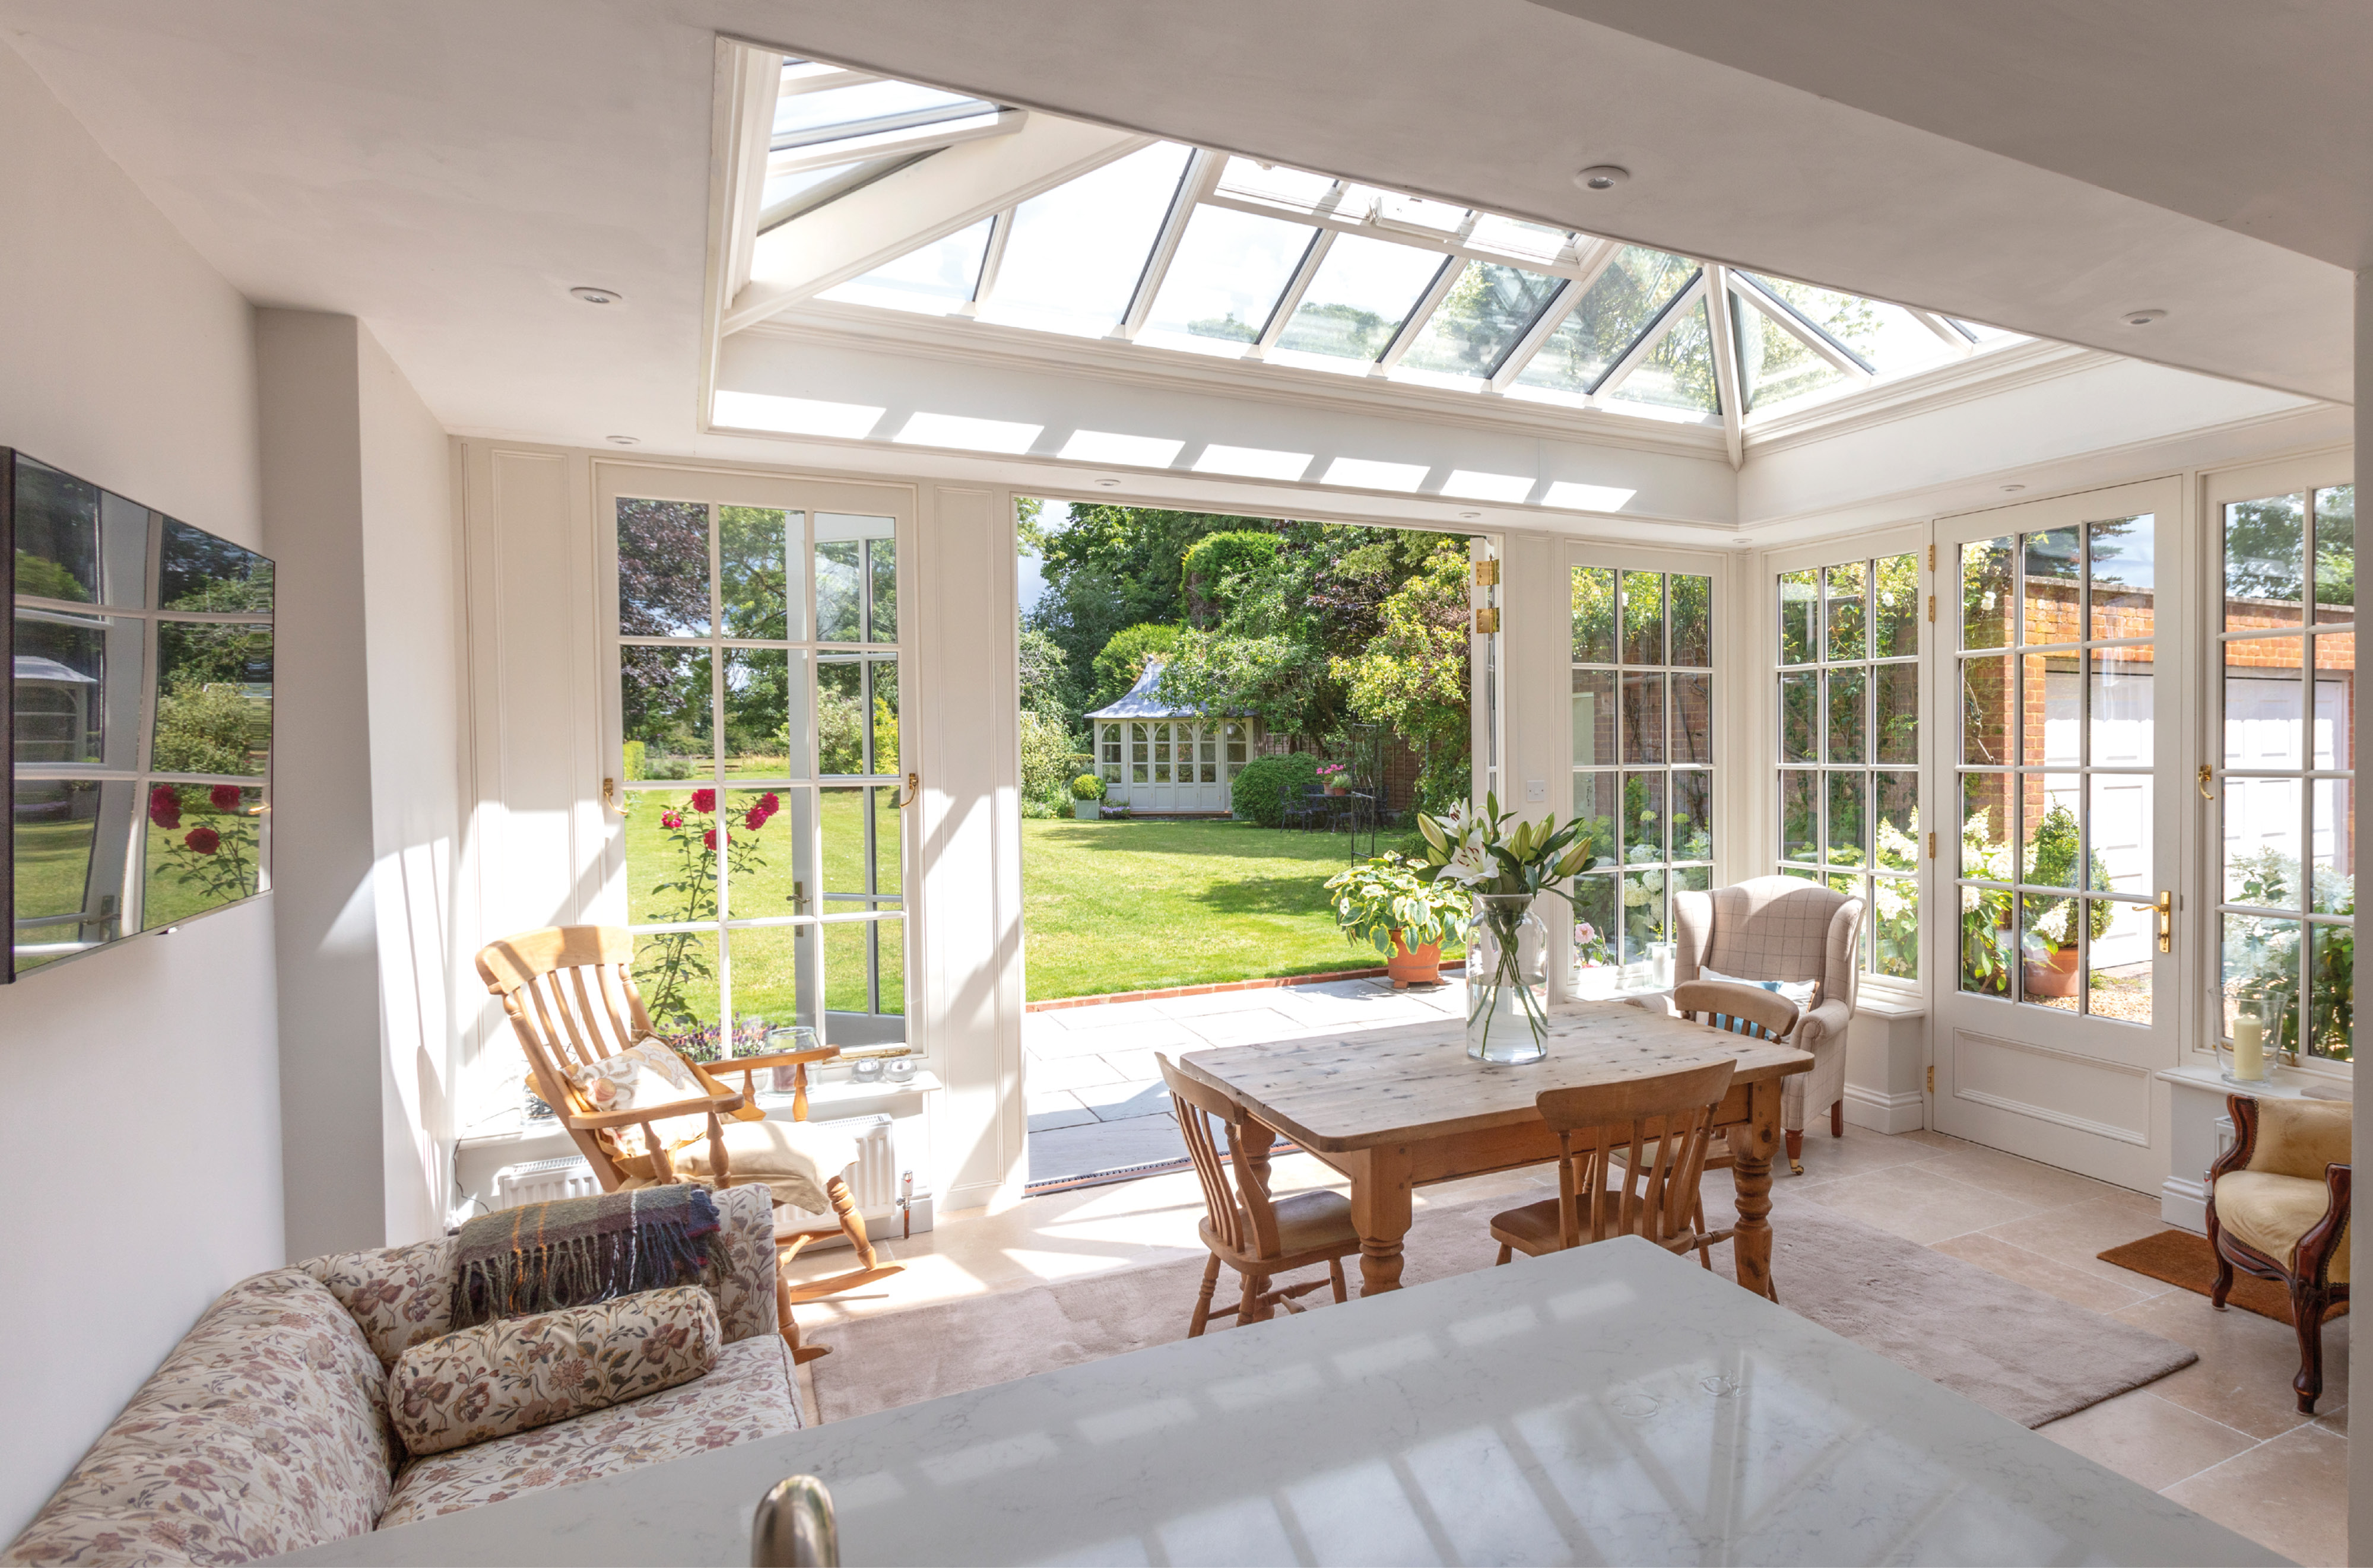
(1057, 1004)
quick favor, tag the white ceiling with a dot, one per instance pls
(446, 169)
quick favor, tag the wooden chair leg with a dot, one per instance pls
(1506, 1252)
(1203, 1297)
(851, 1221)
(785, 1325)
(1253, 1306)
(1837, 1118)
(2223, 1279)
(1796, 1142)
(1335, 1278)
(1697, 1223)
(2307, 1305)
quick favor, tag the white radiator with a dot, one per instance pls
(873, 1181)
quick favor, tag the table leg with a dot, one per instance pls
(1381, 1213)
(1752, 1145)
(1257, 1141)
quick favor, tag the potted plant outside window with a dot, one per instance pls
(2048, 944)
(1087, 797)
(1392, 905)
(1335, 777)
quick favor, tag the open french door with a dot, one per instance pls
(2062, 806)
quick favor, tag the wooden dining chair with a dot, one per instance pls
(1241, 1226)
(570, 995)
(1629, 1156)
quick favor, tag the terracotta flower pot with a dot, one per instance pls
(2055, 975)
(1414, 966)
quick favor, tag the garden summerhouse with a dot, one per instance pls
(1157, 757)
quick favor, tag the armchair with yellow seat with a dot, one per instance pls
(2278, 1209)
(569, 993)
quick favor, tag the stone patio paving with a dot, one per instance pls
(1095, 1096)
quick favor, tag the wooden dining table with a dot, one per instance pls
(1394, 1110)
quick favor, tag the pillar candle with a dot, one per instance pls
(2249, 1048)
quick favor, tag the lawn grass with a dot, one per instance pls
(1140, 905)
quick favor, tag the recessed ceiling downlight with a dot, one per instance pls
(624, 440)
(1468, 517)
(1602, 176)
(2144, 318)
(2013, 489)
(598, 295)
(1109, 484)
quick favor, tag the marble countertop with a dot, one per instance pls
(1609, 1404)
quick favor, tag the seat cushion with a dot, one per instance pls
(748, 1396)
(2269, 1212)
(398, 1297)
(264, 1432)
(794, 1159)
(1311, 1222)
(2298, 1138)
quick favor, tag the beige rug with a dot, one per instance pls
(2016, 1351)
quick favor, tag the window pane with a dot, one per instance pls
(2261, 967)
(677, 973)
(1643, 618)
(771, 869)
(1363, 292)
(933, 278)
(1895, 623)
(1596, 940)
(207, 857)
(2119, 714)
(1986, 825)
(1594, 719)
(2263, 544)
(671, 857)
(1896, 692)
(2047, 818)
(1987, 944)
(1643, 913)
(57, 535)
(1849, 721)
(2264, 703)
(1887, 338)
(2050, 950)
(841, 714)
(1895, 904)
(1643, 718)
(1480, 318)
(1595, 808)
(2050, 711)
(2336, 554)
(1594, 615)
(1800, 717)
(1849, 822)
(865, 977)
(754, 547)
(1693, 720)
(70, 841)
(663, 568)
(774, 977)
(197, 571)
(2262, 841)
(1799, 600)
(2334, 848)
(1843, 591)
(1692, 620)
(2335, 685)
(855, 578)
(1224, 282)
(1643, 818)
(2332, 960)
(1774, 367)
(1677, 372)
(1986, 594)
(2124, 577)
(1609, 319)
(1800, 814)
(76, 696)
(2120, 828)
(2118, 960)
(1077, 251)
(764, 691)
(1275, 182)
(663, 702)
(882, 570)
(2048, 606)
(1897, 813)
(1692, 814)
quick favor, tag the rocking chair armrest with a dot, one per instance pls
(599, 1120)
(771, 1059)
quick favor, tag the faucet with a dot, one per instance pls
(794, 1527)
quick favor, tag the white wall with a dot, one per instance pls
(138, 1085)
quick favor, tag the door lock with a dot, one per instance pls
(2166, 908)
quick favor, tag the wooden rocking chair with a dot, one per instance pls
(569, 992)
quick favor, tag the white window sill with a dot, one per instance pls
(2289, 1082)
(840, 1097)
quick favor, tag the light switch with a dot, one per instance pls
(1536, 789)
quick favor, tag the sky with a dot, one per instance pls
(1033, 579)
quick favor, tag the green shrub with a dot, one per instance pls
(206, 727)
(1046, 762)
(1215, 558)
(1268, 784)
(1087, 787)
(637, 753)
(1123, 658)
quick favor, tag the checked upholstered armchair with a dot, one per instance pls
(1785, 929)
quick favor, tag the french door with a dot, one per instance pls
(2062, 813)
(763, 771)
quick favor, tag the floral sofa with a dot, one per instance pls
(266, 1430)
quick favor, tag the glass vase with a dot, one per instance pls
(1507, 980)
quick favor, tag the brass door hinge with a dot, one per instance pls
(1931, 607)
(1932, 846)
(1932, 558)
(1487, 620)
(1487, 574)
(1931, 1079)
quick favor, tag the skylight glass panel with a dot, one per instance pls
(1077, 251)
(781, 188)
(1679, 372)
(1421, 213)
(1887, 338)
(1984, 334)
(936, 279)
(801, 118)
(1621, 305)
(1224, 282)
(1284, 187)
(1514, 236)
(1773, 365)
(1480, 318)
(1364, 290)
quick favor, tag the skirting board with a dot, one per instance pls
(2183, 1204)
(1885, 1113)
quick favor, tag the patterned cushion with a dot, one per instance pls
(401, 1296)
(522, 1373)
(742, 1274)
(264, 1432)
(749, 1396)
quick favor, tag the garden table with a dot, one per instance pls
(1400, 1109)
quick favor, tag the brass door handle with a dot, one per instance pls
(2166, 908)
(914, 791)
(2206, 773)
(610, 797)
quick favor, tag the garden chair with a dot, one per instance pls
(1630, 1156)
(569, 992)
(2278, 1209)
(1310, 806)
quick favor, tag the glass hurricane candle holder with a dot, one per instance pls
(2248, 1058)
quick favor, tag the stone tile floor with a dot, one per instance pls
(1095, 1096)
(2220, 1437)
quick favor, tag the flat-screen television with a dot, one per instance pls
(138, 730)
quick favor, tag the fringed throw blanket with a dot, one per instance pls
(545, 1256)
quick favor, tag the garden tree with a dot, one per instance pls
(1218, 565)
(2263, 539)
(1412, 676)
(1122, 659)
(1046, 670)
(1049, 752)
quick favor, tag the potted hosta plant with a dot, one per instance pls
(2047, 951)
(1087, 797)
(1504, 868)
(1394, 905)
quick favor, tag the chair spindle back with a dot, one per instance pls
(1242, 1218)
(1661, 1127)
(1738, 1010)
